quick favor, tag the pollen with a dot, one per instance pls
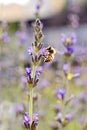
(69, 76)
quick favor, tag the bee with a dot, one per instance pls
(50, 52)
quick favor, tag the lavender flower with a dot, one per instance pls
(27, 121)
(70, 50)
(68, 117)
(28, 71)
(30, 51)
(5, 37)
(20, 109)
(65, 67)
(23, 82)
(61, 94)
(59, 117)
(68, 41)
(35, 119)
(22, 37)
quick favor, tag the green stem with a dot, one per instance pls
(31, 104)
(33, 70)
(31, 95)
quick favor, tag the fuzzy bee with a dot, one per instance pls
(50, 51)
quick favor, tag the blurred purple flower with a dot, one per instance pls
(81, 120)
(35, 117)
(30, 51)
(61, 94)
(21, 35)
(68, 117)
(74, 38)
(23, 82)
(28, 71)
(70, 50)
(37, 73)
(44, 83)
(83, 97)
(42, 52)
(63, 38)
(68, 41)
(20, 109)
(65, 67)
(37, 7)
(5, 37)
(59, 117)
(26, 120)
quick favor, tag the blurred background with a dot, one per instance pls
(16, 35)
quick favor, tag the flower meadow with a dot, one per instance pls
(43, 72)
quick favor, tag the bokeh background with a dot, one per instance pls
(16, 35)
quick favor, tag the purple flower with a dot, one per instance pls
(17, 34)
(70, 50)
(35, 121)
(59, 117)
(68, 41)
(28, 71)
(30, 51)
(21, 35)
(73, 38)
(26, 120)
(68, 117)
(63, 39)
(65, 67)
(35, 117)
(61, 94)
(20, 109)
(83, 97)
(23, 82)
(5, 37)
(37, 7)
(42, 52)
(44, 83)
(81, 120)
(38, 71)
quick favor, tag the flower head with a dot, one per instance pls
(21, 35)
(59, 117)
(38, 71)
(34, 123)
(26, 120)
(65, 67)
(68, 117)
(30, 50)
(61, 94)
(73, 38)
(70, 50)
(28, 71)
(35, 118)
(5, 37)
(68, 41)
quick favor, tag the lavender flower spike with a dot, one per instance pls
(61, 94)
(27, 121)
(28, 71)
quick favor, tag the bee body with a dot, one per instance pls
(50, 51)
